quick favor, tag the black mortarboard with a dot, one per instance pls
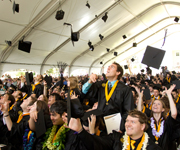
(25, 46)
(146, 93)
(87, 115)
(15, 7)
(132, 59)
(153, 57)
(142, 70)
(48, 80)
(74, 35)
(176, 19)
(59, 14)
(74, 108)
(125, 66)
(29, 77)
(177, 83)
(96, 112)
(115, 53)
(40, 124)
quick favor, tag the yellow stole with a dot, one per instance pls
(34, 86)
(139, 145)
(13, 105)
(168, 79)
(144, 108)
(21, 116)
(159, 125)
(108, 96)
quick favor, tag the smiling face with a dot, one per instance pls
(112, 73)
(133, 127)
(56, 118)
(157, 107)
(52, 99)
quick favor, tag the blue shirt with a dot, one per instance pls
(87, 86)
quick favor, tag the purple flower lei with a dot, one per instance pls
(28, 145)
(154, 131)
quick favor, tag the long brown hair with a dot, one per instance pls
(42, 105)
(73, 82)
(163, 114)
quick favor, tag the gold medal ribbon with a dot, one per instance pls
(108, 96)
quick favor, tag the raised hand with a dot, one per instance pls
(169, 91)
(93, 78)
(92, 124)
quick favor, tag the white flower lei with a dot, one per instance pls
(154, 131)
(126, 143)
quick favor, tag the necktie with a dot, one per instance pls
(132, 144)
(109, 86)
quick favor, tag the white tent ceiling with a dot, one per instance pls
(141, 21)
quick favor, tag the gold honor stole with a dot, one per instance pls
(168, 79)
(34, 86)
(108, 96)
(21, 116)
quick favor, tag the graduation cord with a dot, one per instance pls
(168, 79)
(108, 96)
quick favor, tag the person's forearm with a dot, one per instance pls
(139, 105)
(172, 106)
(32, 124)
(8, 120)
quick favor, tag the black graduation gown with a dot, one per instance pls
(37, 144)
(109, 142)
(73, 142)
(120, 101)
(165, 139)
(15, 136)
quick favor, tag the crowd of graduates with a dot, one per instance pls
(61, 113)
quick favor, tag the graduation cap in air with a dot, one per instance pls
(48, 80)
(15, 7)
(87, 115)
(74, 35)
(40, 124)
(29, 78)
(146, 92)
(142, 70)
(125, 66)
(74, 108)
(153, 57)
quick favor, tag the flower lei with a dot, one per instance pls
(126, 141)
(28, 145)
(55, 140)
(159, 132)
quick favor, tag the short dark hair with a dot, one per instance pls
(119, 69)
(57, 96)
(33, 100)
(59, 107)
(11, 98)
(143, 119)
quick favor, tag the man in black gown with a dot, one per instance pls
(134, 138)
(118, 99)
